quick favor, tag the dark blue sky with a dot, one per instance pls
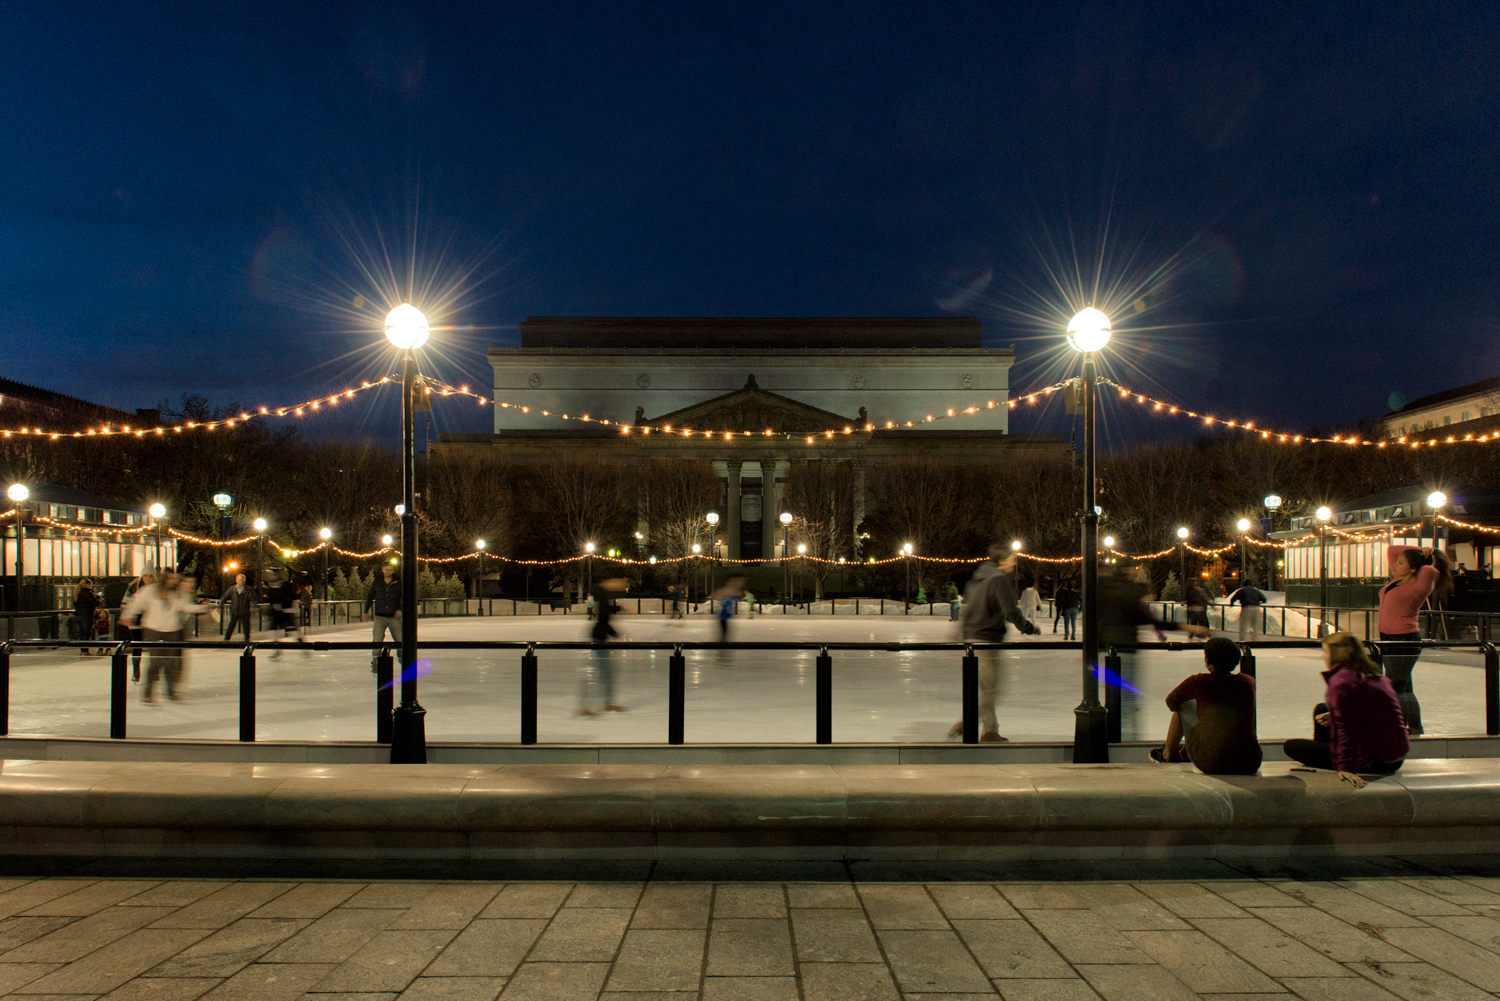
(193, 195)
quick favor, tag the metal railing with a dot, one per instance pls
(385, 680)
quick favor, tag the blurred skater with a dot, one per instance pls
(157, 608)
(85, 603)
(989, 603)
(600, 672)
(131, 630)
(728, 598)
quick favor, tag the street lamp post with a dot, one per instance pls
(18, 493)
(223, 502)
(1323, 514)
(713, 525)
(802, 552)
(407, 329)
(1244, 526)
(906, 600)
(1088, 332)
(158, 512)
(786, 570)
(479, 588)
(326, 534)
(1182, 537)
(1435, 500)
(260, 549)
(1272, 502)
(588, 559)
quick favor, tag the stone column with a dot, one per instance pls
(770, 509)
(732, 530)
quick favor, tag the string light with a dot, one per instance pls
(1412, 441)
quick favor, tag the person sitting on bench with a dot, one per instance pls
(1213, 716)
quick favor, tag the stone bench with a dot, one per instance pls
(654, 811)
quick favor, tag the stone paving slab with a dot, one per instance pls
(124, 939)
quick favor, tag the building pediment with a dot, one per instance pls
(752, 409)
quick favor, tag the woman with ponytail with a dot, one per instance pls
(1415, 575)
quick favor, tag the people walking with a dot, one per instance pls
(728, 598)
(1030, 603)
(237, 603)
(1213, 716)
(675, 593)
(989, 603)
(1358, 727)
(1416, 574)
(1250, 599)
(127, 629)
(1065, 602)
(85, 604)
(599, 675)
(157, 608)
(384, 600)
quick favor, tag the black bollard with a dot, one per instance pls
(119, 686)
(825, 697)
(1112, 695)
(247, 695)
(971, 696)
(528, 696)
(385, 694)
(4, 688)
(676, 696)
(1491, 689)
(1247, 660)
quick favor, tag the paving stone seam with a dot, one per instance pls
(963, 943)
(791, 931)
(708, 936)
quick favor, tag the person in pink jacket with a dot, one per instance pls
(1415, 575)
(1358, 727)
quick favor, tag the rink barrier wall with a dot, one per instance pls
(383, 653)
(665, 811)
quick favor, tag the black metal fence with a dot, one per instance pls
(967, 689)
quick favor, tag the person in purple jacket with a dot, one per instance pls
(1359, 728)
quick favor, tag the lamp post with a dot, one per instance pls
(1272, 502)
(588, 559)
(1244, 526)
(158, 512)
(479, 588)
(223, 503)
(696, 550)
(1435, 500)
(906, 551)
(18, 493)
(713, 552)
(1088, 332)
(260, 549)
(1182, 537)
(802, 552)
(1323, 514)
(326, 534)
(407, 329)
(786, 570)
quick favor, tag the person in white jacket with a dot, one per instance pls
(158, 608)
(1030, 603)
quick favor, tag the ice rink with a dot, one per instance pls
(732, 696)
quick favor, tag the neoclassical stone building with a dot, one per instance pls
(864, 380)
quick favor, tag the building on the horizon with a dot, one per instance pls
(1471, 409)
(863, 380)
(24, 405)
(67, 535)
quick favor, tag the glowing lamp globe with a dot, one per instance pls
(406, 327)
(906, 549)
(1243, 524)
(325, 533)
(1272, 501)
(786, 517)
(1182, 533)
(157, 511)
(1016, 545)
(260, 524)
(1436, 499)
(1088, 330)
(801, 547)
(386, 540)
(18, 492)
(1109, 542)
(713, 517)
(588, 547)
(1323, 513)
(479, 544)
(222, 500)
(400, 510)
(697, 548)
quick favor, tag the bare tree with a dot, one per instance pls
(820, 493)
(676, 495)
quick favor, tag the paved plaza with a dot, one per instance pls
(732, 696)
(1393, 931)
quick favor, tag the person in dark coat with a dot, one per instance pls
(600, 672)
(1358, 727)
(1121, 614)
(237, 603)
(989, 603)
(1065, 605)
(85, 604)
(1250, 598)
(384, 599)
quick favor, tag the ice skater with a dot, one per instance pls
(599, 675)
(989, 603)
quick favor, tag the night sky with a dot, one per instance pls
(1292, 208)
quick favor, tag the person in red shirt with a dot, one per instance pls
(1415, 575)
(1358, 728)
(1213, 716)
